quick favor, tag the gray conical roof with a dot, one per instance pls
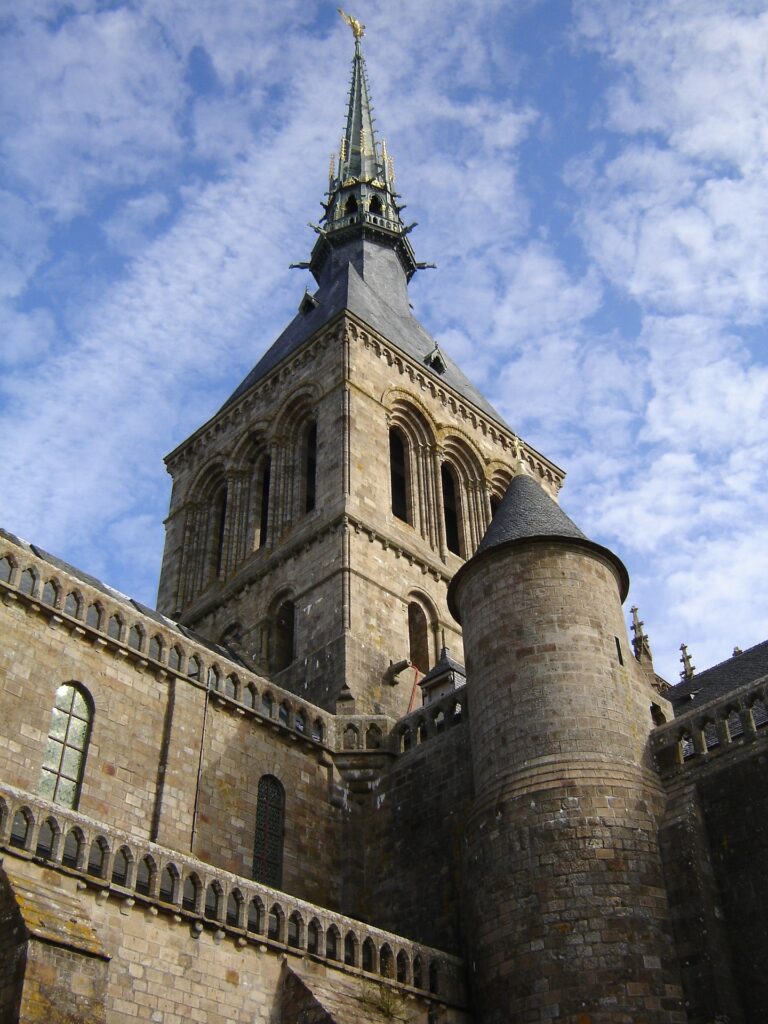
(527, 511)
(527, 514)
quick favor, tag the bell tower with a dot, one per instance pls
(317, 519)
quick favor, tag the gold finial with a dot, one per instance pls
(358, 29)
(343, 149)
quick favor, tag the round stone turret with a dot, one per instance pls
(567, 912)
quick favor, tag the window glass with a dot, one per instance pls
(268, 841)
(65, 752)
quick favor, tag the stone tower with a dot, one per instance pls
(567, 911)
(317, 518)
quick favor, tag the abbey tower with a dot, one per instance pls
(317, 518)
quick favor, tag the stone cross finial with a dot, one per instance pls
(640, 642)
(688, 667)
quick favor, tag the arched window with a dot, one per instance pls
(451, 509)
(275, 920)
(218, 527)
(418, 637)
(332, 942)
(136, 637)
(74, 605)
(121, 866)
(6, 568)
(402, 967)
(369, 955)
(295, 929)
(62, 771)
(350, 206)
(213, 900)
(21, 828)
(310, 468)
(398, 474)
(375, 206)
(156, 648)
(255, 919)
(168, 879)
(93, 618)
(194, 668)
(97, 857)
(27, 581)
(114, 627)
(268, 840)
(282, 637)
(46, 837)
(313, 936)
(386, 961)
(73, 844)
(264, 482)
(234, 903)
(190, 893)
(350, 949)
(495, 505)
(50, 593)
(145, 875)
(174, 659)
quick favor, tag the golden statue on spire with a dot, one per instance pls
(358, 29)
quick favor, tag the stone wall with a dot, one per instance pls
(414, 827)
(715, 847)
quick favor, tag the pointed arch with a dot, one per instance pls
(282, 632)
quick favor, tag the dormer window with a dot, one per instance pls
(435, 360)
(307, 304)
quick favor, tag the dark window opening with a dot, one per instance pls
(375, 206)
(350, 206)
(418, 637)
(313, 937)
(495, 503)
(268, 841)
(450, 510)
(618, 650)
(71, 850)
(120, 867)
(144, 874)
(398, 475)
(220, 509)
(190, 894)
(349, 949)
(45, 839)
(264, 511)
(20, 830)
(281, 654)
(167, 885)
(310, 469)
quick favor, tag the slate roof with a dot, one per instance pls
(720, 680)
(381, 309)
(445, 664)
(527, 511)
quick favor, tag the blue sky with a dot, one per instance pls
(590, 177)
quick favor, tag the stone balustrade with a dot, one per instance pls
(115, 865)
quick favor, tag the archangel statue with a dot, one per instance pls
(358, 29)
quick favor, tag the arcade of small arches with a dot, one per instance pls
(250, 910)
(156, 647)
(441, 490)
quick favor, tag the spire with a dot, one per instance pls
(361, 200)
(640, 642)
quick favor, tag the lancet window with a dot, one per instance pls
(68, 735)
(268, 839)
(451, 509)
(398, 470)
(282, 635)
